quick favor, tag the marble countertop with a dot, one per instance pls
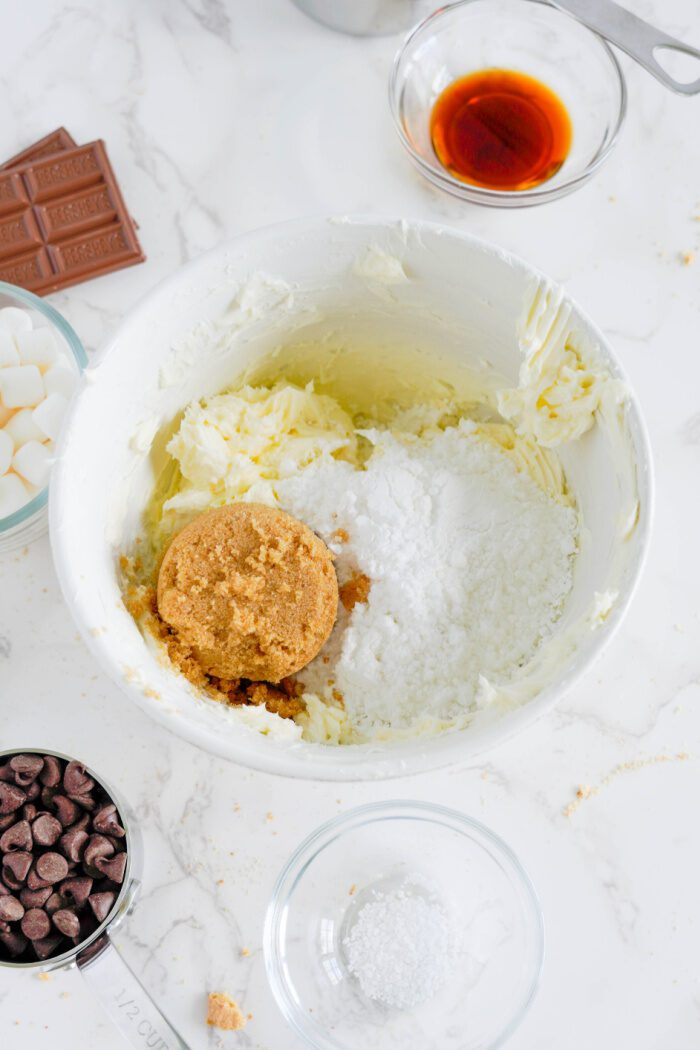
(221, 116)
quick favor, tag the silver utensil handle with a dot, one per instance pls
(634, 36)
(127, 1002)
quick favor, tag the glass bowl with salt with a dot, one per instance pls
(404, 924)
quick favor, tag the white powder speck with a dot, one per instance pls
(399, 948)
(470, 563)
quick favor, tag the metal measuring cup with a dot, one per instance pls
(110, 979)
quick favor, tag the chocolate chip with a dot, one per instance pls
(47, 946)
(66, 810)
(15, 867)
(26, 768)
(34, 898)
(46, 830)
(35, 924)
(7, 819)
(86, 801)
(11, 798)
(29, 811)
(15, 943)
(67, 922)
(11, 909)
(19, 836)
(77, 889)
(73, 842)
(53, 903)
(47, 796)
(106, 822)
(113, 868)
(76, 781)
(33, 791)
(101, 904)
(36, 883)
(6, 772)
(50, 775)
(52, 866)
(97, 846)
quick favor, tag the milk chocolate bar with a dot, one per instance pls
(55, 142)
(63, 220)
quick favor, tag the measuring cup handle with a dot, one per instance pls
(633, 35)
(126, 1000)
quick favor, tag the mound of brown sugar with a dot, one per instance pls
(251, 591)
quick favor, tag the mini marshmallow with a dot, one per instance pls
(37, 347)
(33, 462)
(8, 350)
(15, 320)
(21, 387)
(13, 494)
(48, 416)
(60, 380)
(22, 428)
(7, 448)
(6, 414)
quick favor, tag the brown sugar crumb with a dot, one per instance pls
(224, 1013)
(283, 698)
(340, 536)
(355, 590)
(251, 590)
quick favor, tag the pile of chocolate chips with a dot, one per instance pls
(62, 856)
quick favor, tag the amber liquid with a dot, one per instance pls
(500, 129)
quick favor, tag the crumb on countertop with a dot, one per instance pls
(223, 1012)
(687, 258)
(585, 791)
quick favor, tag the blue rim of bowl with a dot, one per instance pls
(38, 502)
(440, 177)
(327, 833)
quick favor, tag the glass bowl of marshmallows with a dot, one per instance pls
(41, 359)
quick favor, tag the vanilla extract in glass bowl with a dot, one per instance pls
(506, 102)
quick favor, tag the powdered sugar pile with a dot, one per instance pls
(399, 948)
(470, 563)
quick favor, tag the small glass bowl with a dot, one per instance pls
(493, 913)
(31, 520)
(527, 36)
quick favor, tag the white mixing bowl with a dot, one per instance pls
(331, 283)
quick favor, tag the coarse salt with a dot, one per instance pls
(399, 947)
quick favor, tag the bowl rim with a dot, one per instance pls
(360, 816)
(366, 761)
(38, 502)
(439, 176)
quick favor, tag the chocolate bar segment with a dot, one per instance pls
(55, 142)
(63, 220)
(18, 233)
(90, 207)
(13, 195)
